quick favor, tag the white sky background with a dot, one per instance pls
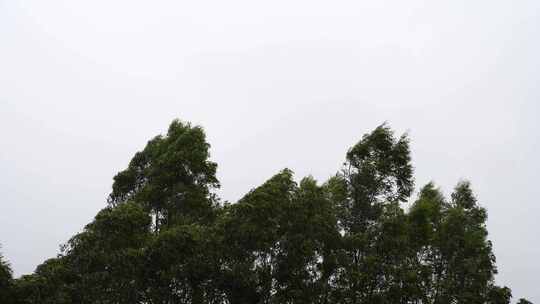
(84, 85)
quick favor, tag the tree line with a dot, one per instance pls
(166, 237)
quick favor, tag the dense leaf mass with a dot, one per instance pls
(164, 236)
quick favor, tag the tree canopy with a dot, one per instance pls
(165, 237)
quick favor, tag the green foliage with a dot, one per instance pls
(183, 267)
(171, 177)
(499, 295)
(164, 237)
(6, 281)
(252, 233)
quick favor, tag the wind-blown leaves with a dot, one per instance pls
(164, 237)
(6, 281)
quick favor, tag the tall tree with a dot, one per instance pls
(253, 230)
(378, 171)
(183, 266)
(499, 295)
(172, 177)
(452, 250)
(425, 219)
(164, 238)
(306, 258)
(467, 253)
(50, 283)
(377, 174)
(6, 281)
(106, 259)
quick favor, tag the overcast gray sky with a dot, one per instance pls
(84, 85)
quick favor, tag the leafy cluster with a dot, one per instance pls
(166, 238)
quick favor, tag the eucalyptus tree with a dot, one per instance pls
(377, 176)
(253, 232)
(425, 219)
(51, 283)
(499, 295)
(6, 281)
(164, 238)
(280, 242)
(109, 253)
(172, 177)
(465, 249)
(453, 254)
(306, 259)
(182, 265)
